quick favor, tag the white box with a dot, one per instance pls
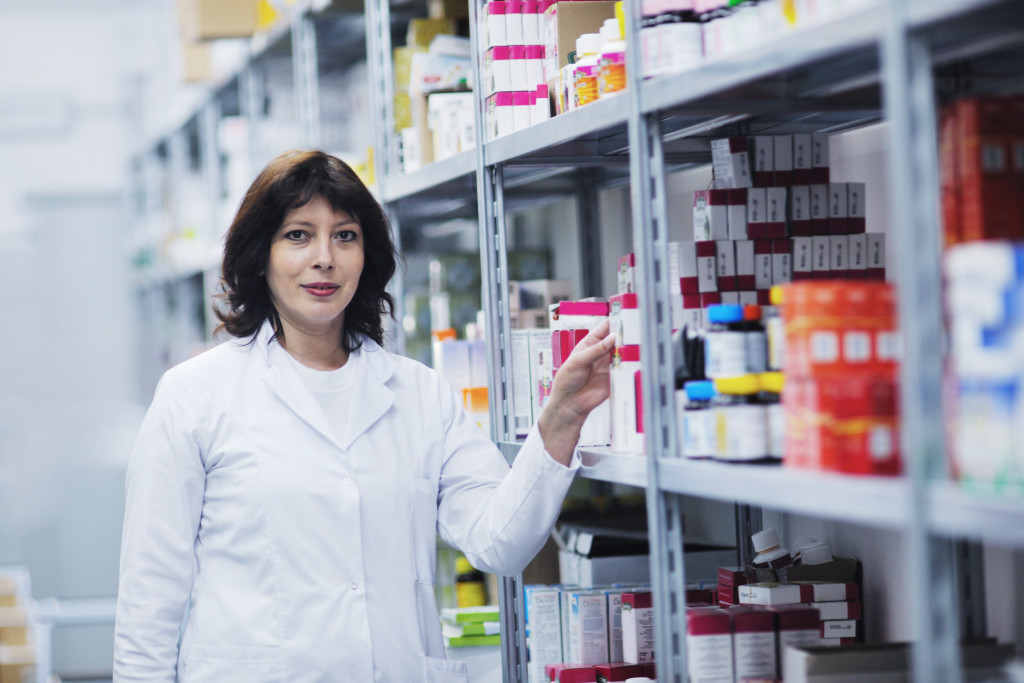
(763, 263)
(517, 69)
(709, 656)
(730, 163)
(543, 605)
(792, 593)
(622, 378)
(522, 396)
(822, 256)
(839, 628)
(782, 261)
(496, 31)
(451, 360)
(737, 214)
(802, 156)
(597, 428)
(856, 207)
(624, 319)
(745, 265)
(725, 255)
(819, 157)
(498, 70)
(838, 216)
(876, 256)
(710, 215)
(858, 256)
(775, 217)
(839, 248)
(783, 173)
(514, 34)
(803, 258)
(588, 627)
(764, 161)
(637, 628)
(800, 210)
(614, 597)
(819, 209)
(541, 373)
(707, 269)
(682, 263)
(757, 213)
(531, 24)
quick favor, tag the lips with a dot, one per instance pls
(321, 288)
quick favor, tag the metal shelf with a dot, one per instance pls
(457, 172)
(603, 464)
(846, 45)
(979, 513)
(596, 130)
(872, 501)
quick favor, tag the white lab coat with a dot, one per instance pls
(301, 556)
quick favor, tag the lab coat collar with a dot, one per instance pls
(371, 396)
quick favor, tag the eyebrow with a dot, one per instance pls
(307, 224)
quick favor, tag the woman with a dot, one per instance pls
(286, 486)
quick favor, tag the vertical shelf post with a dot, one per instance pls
(251, 95)
(650, 244)
(909, 98)
(307, 78)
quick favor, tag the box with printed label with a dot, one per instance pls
(802, 160)
(626, 274)
(682, 260)
(819, 209)
(847, 609)
(753, 643)
(783, 171)
(707, 268)
(800, 211)
(624, 319)
(775, 212)
(737, 200)
(543, 605)
(799, 626)
(819, 158)
(626, 437)
(821, 256)
(838, 216)
(563, 23)
(858, 257)
(782, 261)
(792, 593)
(764, 160)
(876, 257)
(588, 627)
(637, 628)
(710, 215)
(745, 266)
(757, 214)
(725, 258)
(839, 628)
(839, 255)
(709, 656)
(803, 258)
(730, 163)
(856, 208)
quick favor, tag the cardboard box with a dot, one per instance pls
(753, 643)
(800, 211)
(819, 209)
(709, 656)
(214, 19)
(543, 606)
(588, 627)
(710, 215)
(195, 62)
(793, 593)
(764, 161)
(637, 628)
(783, 173)
(563, 23)
(730, 163)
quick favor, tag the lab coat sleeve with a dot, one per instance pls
(163, 504)
(500, 518)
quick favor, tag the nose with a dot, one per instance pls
(323, 258)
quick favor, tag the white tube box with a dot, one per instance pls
(588, 627)
(737, 214)
(637, 628)
(709, 657)
(783, 173)
(838, 218)
(802, 158)
(757, 214)
(819, 158)
(710, 215)
(730, 163)
(819, 209)
(534, 56)
(614, 597)
(764, 161)
(800, 211)
(775, 217)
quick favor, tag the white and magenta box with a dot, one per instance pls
(531, 23)
(626, 436)
(757, 213)
(517, 66)
(799, 626)
(839, 259)
(737, 200)
(497, 35)
(522, 109)
(856, 208)
(800, 211)
(624, 317)
(682, 267)
(754, 644)
(782, 261)
(819, 158)
(534, 58)
(802, 159)
(803, 258)
(745, 266)
(709, 656)
(543, 604)
(637, 628)
(775, 213)
(500, 116)
(819, 209)
(730, 163)
(542, 105)
(764, 160)
(838, 217)
(876, 257)
(821, 257)
(707, 268)
(498, 70)
(588, 627)
(858, 257)
(783, 171)
(793, 593)
(541, 370)
(514, 22)
(575, 315)
(710, 215)
(725, 257)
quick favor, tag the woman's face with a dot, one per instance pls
(316, 258)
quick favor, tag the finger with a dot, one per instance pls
(597, 334)
(591, 354)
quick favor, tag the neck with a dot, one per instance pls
(319, 350)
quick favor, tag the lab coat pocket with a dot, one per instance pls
(232, 665)
(424, 529)
(444, 671)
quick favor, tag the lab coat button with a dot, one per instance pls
(355, 586)
(346, 481)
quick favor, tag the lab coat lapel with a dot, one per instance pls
(288, 387)
(371, 396)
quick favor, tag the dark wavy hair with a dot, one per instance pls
(289, 182)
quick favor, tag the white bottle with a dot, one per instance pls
(770, 553)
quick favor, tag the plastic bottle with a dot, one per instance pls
(698, 420)
(771, 397)
(680, 36)
(815, 552)
(611, 71)
(470, 590)
(725, 346)
(588, 48)
(757, 340)
(741, 421)
(770, 553)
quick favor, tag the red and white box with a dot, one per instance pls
(782, 261)
(819, 158)
(839, 628)
(501, 120)
(618, 672)
(799, 626)
(682, 267)
(710, 215)
(762, 264)
(793, 593)
(802, 159)
(737, 214)
(728, 595)
(858, 257)
(517, 66)
(626, 438)
(522, 107)
(775, 219)
(725, 256)
(514, 22)
(624, 317)
(572, 315)
(626, 275)
(838, 217)
(562, 344)
(707, 268)
(803, 258)
(732, 576)
(531, 23)
(534, 55)
(498, 68)
(836, 642)
(846, 609)
(764, 160)
(496, 32)
(757, 213)
(693, 318)
(819, 209)
(570, 673)
(542, 107)
(783, 173)
(876, 257)
(745, 266)
(709, 656)
(839, 255)
(637, 628)
(800, 211)
(821, 257)
(856, 208)
(730, 163)
(753, 643)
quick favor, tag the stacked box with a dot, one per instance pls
(729, 581)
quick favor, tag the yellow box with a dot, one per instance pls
(213, 19)
(195, 62)
(14, 635)
(448, 9)
(422, 31)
